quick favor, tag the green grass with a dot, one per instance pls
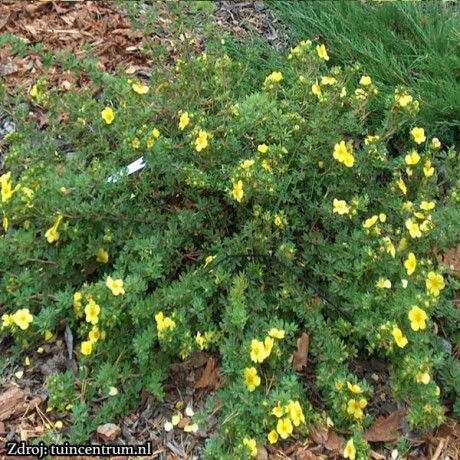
(415, 44)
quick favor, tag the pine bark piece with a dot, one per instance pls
(11, 403)
(108, 432)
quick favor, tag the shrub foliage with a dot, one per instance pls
(257, 218)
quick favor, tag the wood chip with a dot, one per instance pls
(11, 403)
(108, 432)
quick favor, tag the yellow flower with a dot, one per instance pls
(275, 77)
(400, 340)
(404, 99)
(414, 229)
(77, 298)
(184, 121)
(427, 206)
(164, 323)
(390, 247)
(208, 260)
(278, 411)
(295, 413)
(417, 318)
(340, 150)
(350, 451)
(322, 53)
(402, 186)
(5, 177)
(343, 92)
(7, 320)
(371, 139)
(94, 334)
(338, 385)
(116, 286)
(272, 437)
(410, 263)
(360, 93)
(343, 155)
(159, 317)
(328, 81)
(354, 388)
(48, 336)
(108, 115)
(423, 377)
(102, 256)
(5, 223)
(52, 233)
(276, 333)
(113, 391)
(251, 379)
(278, 221)
(356, 406)
(412, 158)
(428, 170)
(368, 223)
(251, 445)
(268, 345)
(316, 89)
(150, 143)
(284, 427)
(23, 318)
(136, 143)
(199, 339)
(258, 353)
(86, 348)
(340, 207)
(238, 191)
(247, 164)
(426, 225)
(365, 80)
(156, 133)
(139, 88)
(92, 311)
(349, 160)
(418, 134)
(202, 141)
(435, 143)
(407, 206)
(34, 91)
(384, 283)
(435, 283)
(262, 148)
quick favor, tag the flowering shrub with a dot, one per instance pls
(258, 217)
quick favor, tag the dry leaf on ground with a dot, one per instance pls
(385, 429)
(300, 357)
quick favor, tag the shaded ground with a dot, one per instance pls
(101, 30)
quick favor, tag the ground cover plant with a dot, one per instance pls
(279, 215)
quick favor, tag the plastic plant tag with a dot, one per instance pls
(131, 168)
